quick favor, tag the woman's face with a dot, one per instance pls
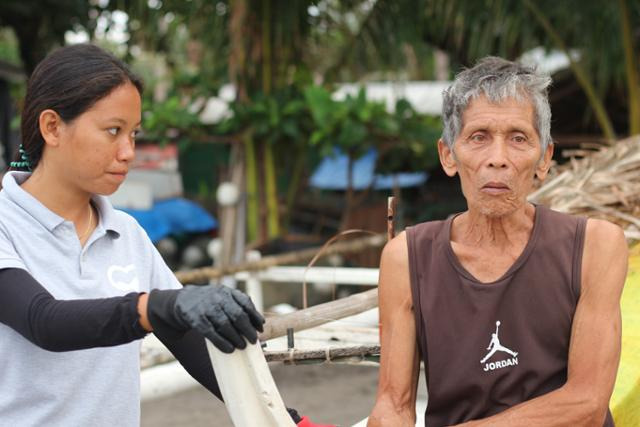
(97, 147)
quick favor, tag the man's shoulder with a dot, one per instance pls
(394, 284)
(395, 251)
(427, 235)
(427, 229)
(557, 216)
(604, 239)
(595, 229)
(600, 229)
(558, 230)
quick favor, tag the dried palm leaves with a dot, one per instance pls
(603, 184)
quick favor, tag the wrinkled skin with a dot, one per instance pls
(496, 155)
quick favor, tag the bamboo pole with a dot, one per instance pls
(334, 310)
(391, 212)
(329, 354)
(391, 232)
(319, 314)
(251, 183)
(355, 245)
(271, 193)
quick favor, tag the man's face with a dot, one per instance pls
(496, 154)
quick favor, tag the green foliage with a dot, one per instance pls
(170, 121)
(353, 125)
(278, 118)
(9, 51)
(416, 148)
(310, 120)
(192, 37)
(41, 25)
(468, 30)
(405, 139)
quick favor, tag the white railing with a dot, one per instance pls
(299, 275)
(170, 378)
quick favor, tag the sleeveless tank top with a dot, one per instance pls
(489, 346)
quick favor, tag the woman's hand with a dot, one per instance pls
(223, 315)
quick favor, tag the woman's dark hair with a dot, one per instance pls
(68, 81)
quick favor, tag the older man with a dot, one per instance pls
(513, 308)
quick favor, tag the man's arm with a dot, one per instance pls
(594, 351)
(399, 361)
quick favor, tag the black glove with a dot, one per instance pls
(221, 314)
(294, 415)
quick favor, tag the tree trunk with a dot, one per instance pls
(273, 218)
(237, 51)
(263, 207)
(633, 79)
(581, 76)
(252, 187)
(349, 196)
(294, 184)
(270, 184)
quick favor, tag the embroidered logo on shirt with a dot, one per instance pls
(494, 347)
(123, 278)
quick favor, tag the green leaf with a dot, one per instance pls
(352, 134)
(316, 138)
(320, 103)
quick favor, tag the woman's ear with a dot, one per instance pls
(447, 158)
(545, 163)
(51, 126)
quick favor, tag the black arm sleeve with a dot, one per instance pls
(65, 325)
(191, 351)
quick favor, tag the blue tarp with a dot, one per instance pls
(332, 174)
(173, 216)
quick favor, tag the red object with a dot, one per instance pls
(306, 422)
(154, 157)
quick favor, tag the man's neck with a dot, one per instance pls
(474, 228)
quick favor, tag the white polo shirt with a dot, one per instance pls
(95, 387)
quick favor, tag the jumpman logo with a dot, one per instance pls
(495, 345)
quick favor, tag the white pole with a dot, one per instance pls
(254, 285)
(248, 389)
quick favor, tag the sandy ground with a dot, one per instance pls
(332, 393)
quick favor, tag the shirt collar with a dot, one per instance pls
(108, 217)
(11, 187)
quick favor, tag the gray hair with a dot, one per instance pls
(498, 80)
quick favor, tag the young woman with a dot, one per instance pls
(80, 282)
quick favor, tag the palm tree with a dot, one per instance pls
(598, 37)
(267, 39)
(257, 45)
(264, 46)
